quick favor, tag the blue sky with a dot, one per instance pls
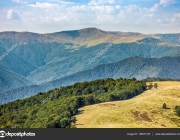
(45, 16)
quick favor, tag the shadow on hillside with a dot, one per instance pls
(79, 112)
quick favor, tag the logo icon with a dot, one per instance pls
(2, 134)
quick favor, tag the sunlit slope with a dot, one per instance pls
(143, 111)
(83, 37)
(90, 37)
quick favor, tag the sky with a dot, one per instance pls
(47, 16)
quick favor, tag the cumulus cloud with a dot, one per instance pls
(167, 2)
(97, 9)
(65, 2)
(104, 14)
(100, 2)
(43, 5)
(12, 15)
(20, 1)
(17, 1)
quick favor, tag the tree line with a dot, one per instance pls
(57, 108)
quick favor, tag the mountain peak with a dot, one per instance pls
(90, 30)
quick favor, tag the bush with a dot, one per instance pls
(155, 85)
(164, 106)
(177, 108)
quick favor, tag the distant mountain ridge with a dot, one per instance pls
(87, 36)
(43, 58)
(138, 67)
(84, 36)
(10, 80)
(42, 62)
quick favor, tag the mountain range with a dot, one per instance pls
(40, 62)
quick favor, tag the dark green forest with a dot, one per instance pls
(153, 79)
(57, 108)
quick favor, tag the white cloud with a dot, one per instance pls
(159, 20)
(43, 5)
(9, 14)
(55, 15)
(118, 6)
(12, 15)
(65, 2)
(61, 18)
(103, 9)
(100, 2)
(130, 8)
(20, 1)
(89, 8)
(17, 1)
(167, 2)
(177, 15)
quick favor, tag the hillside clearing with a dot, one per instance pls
(142, 111)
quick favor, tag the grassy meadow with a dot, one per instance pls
(142, 111)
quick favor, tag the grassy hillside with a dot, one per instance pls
(56, 108)
(142, 111)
